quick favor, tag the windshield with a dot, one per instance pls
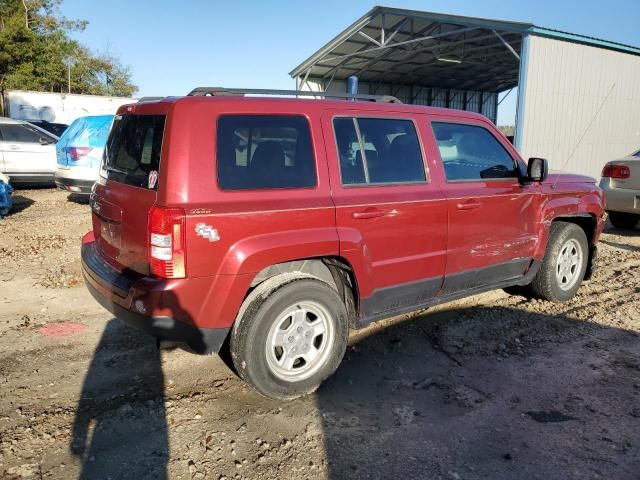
(132, 153)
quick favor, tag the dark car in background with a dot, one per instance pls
(56, 128)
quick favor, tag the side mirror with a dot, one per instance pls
(43, 141)
(537, 169)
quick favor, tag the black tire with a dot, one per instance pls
(625, 221)
(545, 284)
(261, 309)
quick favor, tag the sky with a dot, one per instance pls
(172, 47)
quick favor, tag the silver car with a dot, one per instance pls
(621, 185)
(27, 152)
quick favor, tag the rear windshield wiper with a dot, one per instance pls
(110, 168)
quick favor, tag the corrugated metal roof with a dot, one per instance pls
(392, 45)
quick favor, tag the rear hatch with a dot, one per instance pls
(127, 190)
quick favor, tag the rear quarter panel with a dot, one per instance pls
(256, 227)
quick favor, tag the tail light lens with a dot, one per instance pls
(76, 153)
(616, 171)
(167, 242)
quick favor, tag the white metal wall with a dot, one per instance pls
(581, 105)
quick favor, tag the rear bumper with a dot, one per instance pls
(620, 199)
(130, 299)
(66, 180)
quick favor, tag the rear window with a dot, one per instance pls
(378, 151)
(263, 152)
(132, 153)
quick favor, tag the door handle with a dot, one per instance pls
(14, 147)
(374, 213)
(468, 205)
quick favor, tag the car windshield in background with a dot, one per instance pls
(56, 128)
(133, 150)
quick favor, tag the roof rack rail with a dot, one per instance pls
(221, 91)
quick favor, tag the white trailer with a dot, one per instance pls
(59, 107)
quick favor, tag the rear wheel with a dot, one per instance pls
(291, 334)
(564, 264)
(623, 220)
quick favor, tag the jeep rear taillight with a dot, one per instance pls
(616, 171)
(167, 255)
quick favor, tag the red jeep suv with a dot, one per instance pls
(271, 226)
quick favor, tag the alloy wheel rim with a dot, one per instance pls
(299, 341)
(569, 264)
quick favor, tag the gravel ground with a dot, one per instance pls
(490, 387)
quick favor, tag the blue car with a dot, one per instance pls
(79, 153)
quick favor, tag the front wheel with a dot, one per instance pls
(290, 336)
(564, 264)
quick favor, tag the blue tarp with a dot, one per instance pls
(91, 132)
(5, 198)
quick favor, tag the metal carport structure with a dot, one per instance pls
(462, 62)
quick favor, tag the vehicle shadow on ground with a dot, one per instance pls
(498, 393)
(20, 203)
(120, 428)
(80, 198)
(621, 246)
(622, 232)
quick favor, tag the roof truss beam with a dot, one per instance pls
(331, 72)
(398, 44)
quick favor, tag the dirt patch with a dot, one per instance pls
(495, 386)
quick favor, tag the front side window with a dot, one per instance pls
(264, 152)
(378, 151)
(23, 133)
(470, 152)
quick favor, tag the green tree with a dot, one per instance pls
(35, 40)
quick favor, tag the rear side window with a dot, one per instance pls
(133, 149)
(469, 152)
(378, 151)
(264, 152)
(23, 134)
